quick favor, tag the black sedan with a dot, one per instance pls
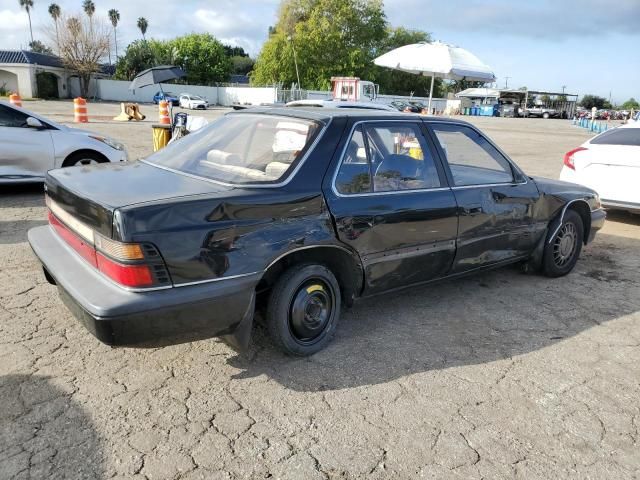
(298, 212)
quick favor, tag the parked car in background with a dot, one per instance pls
(407, 107)
(193, 102)
(167, 97)
(609, 163)
(542, 112)
(340, 104)
(31, 145)
(297, 211)
(510, 110)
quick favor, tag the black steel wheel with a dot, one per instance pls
(563, 248)
(303, 309)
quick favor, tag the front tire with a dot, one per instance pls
(84, 158)
(561, 251)
(303, 309)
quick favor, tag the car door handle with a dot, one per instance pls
(473, 209)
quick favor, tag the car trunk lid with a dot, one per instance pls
(611, 170)
(92, 194)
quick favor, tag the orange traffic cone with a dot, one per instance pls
(15, 99)
(163, 110)
(80, 110)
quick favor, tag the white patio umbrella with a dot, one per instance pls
(437, 60)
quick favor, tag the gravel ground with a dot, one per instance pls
(501, 375)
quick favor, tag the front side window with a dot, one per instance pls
(12, 118)
(242, 148)
(386, 158)
(472, 159)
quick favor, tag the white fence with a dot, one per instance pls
(118, 91)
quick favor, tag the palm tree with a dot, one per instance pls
(114, 16)
(143, 25)
(89, 8)
(28, 5)
(54, 11)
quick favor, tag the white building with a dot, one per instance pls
(34, 75)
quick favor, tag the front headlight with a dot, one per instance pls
(108, 141)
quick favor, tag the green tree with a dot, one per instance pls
(140, 55)
(27, 5)
(38, 47)
(590, 101)
(143, 25)
(55, 12)
(631, 103)
(89, 8)
(314, 28)
(201, 56)
(114, 18)
(241, 65)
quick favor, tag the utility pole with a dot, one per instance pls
(563, 88)
(506, 82)
(295, 60)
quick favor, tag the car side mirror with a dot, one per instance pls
(34, 123)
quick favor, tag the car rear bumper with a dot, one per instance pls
(597, 222)
(117, 316)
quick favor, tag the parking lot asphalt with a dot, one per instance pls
(500, 375)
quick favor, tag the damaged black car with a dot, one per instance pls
(298, 212)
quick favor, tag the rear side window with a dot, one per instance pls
(354, 175)
(386, 158)
(619, 136)
(471, 158)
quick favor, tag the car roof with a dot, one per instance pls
(326, 114)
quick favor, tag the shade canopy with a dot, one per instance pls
(154, 75)
(437, 60)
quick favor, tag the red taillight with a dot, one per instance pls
(86, 250)
(568, 157)
(127, 275)
(133, 269)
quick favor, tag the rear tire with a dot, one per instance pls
(303, 309)
(545, 115)
(561, 251)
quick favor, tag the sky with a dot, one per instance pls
(587, 46)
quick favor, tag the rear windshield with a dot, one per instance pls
(241, 148)
(619, 136)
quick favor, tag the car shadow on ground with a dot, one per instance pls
(623, 217)
(476, 320)
(44, 432)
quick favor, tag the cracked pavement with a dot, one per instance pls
(500, 375)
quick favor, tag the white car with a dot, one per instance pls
(341, 104)
(30, 145)
(193, 102)
(609, 163)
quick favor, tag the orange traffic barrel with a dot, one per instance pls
(163, 113)
(15, 99)
(80, 110)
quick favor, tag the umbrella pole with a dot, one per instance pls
(433, 78)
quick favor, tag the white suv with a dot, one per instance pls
(31, 145)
